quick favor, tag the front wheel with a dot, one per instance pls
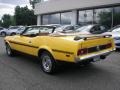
(3, 33)
(48, 63)
(9, 51)
(12, 34)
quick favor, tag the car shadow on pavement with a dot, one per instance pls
(65, 68)
(117, 50)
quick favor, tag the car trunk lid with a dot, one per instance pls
(93, 44)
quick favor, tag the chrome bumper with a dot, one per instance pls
(91, 56)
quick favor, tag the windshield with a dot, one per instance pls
(64, 28)
(84, 28)
(13, 27)
(38, 30)
(54, 25)
(116, 30)
(21, 29)
(67, 28)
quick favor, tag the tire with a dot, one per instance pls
(9, 51)
(3, 33)
(12, 34)
(48, 64)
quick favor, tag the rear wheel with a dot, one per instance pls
(48, 63)
(9, 51)
(13, 34)
(3, 33)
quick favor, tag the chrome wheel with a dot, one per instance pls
(47, 64)
(9, 51)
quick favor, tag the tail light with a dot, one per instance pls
(109, 45)
(82, 51)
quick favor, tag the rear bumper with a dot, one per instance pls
(92, 56)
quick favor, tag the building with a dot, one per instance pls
(106, 12)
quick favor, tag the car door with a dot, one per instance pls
(31, 39)
(24, 43)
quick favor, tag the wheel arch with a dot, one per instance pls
(45, 48)
(2, 32)
(13, 33)
(7, 42)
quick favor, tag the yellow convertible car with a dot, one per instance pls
(51, 47)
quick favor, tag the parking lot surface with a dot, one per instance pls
(23, 73)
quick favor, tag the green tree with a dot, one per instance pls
(105, 18)
(116, 20)
(7, 20)
(24, 16)
(13, 23)
(0, 23)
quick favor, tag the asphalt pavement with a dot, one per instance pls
(23, 73)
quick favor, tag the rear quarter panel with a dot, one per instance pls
(62, 49)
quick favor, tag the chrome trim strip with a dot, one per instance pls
(61, 51)
(27, 45)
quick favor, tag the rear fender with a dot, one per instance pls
(47, 49)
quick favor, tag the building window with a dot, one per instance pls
(81, 17)
(58, 18)
(55, 18)
(85, 17)
(51, 19)
(89, 16)
(45, 19)
(108, 17)
(103, 17)
(66, 18)
(116, 16)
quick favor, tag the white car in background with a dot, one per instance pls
(66, 28)
(3, 31)
(13, 30)
(115, 32)
(92, 29)
(1, 28)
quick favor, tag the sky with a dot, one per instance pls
(7, 6)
